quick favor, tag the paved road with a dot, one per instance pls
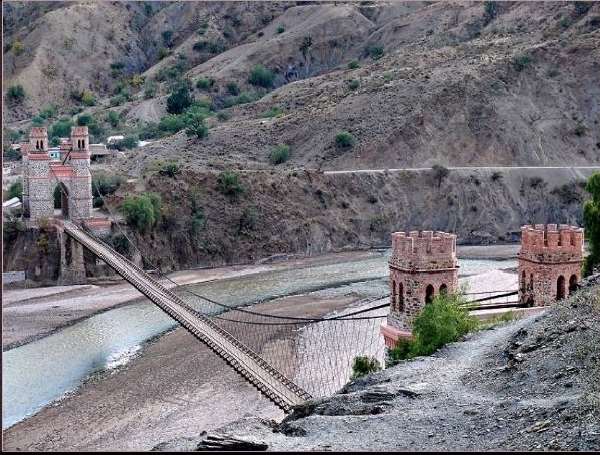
(463, 168)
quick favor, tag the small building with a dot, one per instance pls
(550, 261)
(54, 153)
(423, 264)
(99, 150)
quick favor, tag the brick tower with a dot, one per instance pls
(41, 176)
(37, 193)
(550, 262)
(423, 264)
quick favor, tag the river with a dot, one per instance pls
(43, 371)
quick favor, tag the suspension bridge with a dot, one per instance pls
(288, 359)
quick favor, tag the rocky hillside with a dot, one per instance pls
(414, 83)
(529, 385)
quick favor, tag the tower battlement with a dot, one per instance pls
(561, 242)
(423, 250)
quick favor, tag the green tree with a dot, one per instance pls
(142, 212)
(196, 127)
(15, 190)
(113, 118)
(15, 94)
(179, 100)
(228, 183)
(591, 221)
(344, 139)
(442, 321)
(280, 154)
(439, 173)
(261, 77)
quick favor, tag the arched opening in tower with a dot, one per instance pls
(572, 283)
(560, 288)
(443, 289)
(61, 201)
(400, 297)
(429, 291)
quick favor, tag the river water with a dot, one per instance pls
(43, 371)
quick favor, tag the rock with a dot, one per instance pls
(224, 442)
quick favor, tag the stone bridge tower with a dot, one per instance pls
(422, 265)
(550, 262)
(41, 176)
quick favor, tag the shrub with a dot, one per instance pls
(228, 183)
(48, 112)
(375, 52)
(15, 190)
(364, 365)
(10, 154)
(167, 37)
(113, 118)
(248, 219)
(568, 193)
(591, 222)
(280, 29)
(120, 244)
(171, 124)
(537, 182)
(61, 128)
(490, 11)
(163, 52)
(15, 94)
(344, 139)
(353, 65)
(279, 154)
(196, 127)
(442, 321)
(142, 212)
(169, 169)
(150, 89)
(17, 47)
(205, 83)
(84, 120)
(353, 84)
(520, 62)
(223, 116)
(37, 121)
(232, 88)
(243, 98)
(275, 111)
(439, 173)
(497, 176)
(105, 184)
(88, 98)
(11, 228)
(212, 47)
(579, 130)
(179, 100)
(261, 76)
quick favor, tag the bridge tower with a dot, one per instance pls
(37, 194)
(423, 264)
(550, 261)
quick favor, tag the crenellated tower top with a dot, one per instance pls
(423, 250)
(551, 243)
